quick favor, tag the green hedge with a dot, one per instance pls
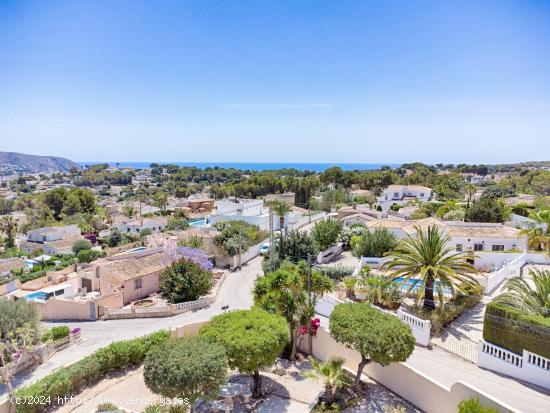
(70, 380)
(60, 332)
(515, 330)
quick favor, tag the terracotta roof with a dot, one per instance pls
(485, 230)
(452, 228)
(407, 226)
(417, 187)
(134, 267)
(359, 215)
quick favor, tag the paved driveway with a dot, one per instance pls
(236, 292)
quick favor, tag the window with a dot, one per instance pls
(395, 195)
(422, 195)
(498, 247)
(478, 247)
(459, 247)
(137, 283)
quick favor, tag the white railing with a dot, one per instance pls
(508, 270)
(189, 305)
(537, 361)
(420, 328)
(501, 354)
(528, 366)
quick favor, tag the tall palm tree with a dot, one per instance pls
(332, 374)
(539, 231)
(470, 191)
(532, 297)
(426, 263)
(281, 209)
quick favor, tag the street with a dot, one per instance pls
(236, 292)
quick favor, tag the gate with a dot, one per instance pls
(456, 344)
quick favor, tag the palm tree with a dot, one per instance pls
(281, 209)
(283, 292)
(427, 264)
(470, 191)
(539, 231)
(532, 297)
(332, 374)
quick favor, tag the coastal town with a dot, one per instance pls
(305, 206)
(450, 263)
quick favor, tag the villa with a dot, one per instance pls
(401, 194)
(475, 237)
(252, 211)
(52, 240)
(136, 226)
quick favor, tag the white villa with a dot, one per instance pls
(476, 237)
(401, 194)
(136, 226)
(52, 240)
(252, 211)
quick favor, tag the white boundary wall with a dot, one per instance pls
(529, 367)
(407, 382)
(508, 270)
(420, 328)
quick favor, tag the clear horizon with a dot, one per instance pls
(277, 81)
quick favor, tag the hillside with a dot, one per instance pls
(22, 163)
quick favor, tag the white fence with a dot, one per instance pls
(420, 328)
(509, 270)
(529, 367)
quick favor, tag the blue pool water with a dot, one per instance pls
(413, 285)
(199, 222)
(138, 249)
(37, 296)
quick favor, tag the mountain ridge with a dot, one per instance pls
(25, 163)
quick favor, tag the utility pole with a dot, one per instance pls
(271, 232)
(309, 265)
(240, 243)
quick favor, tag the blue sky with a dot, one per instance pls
(290, 81)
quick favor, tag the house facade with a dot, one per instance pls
(136, 226)
(401, 194)
(477, 238)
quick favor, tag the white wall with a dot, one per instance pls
(407, 382)
(528, 366)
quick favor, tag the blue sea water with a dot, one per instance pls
(316, 167)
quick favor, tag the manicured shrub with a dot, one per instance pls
(70, 380)
(515, 330)
(60, 332)
(186, 367)
(474, 406)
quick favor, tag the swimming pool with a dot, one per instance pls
(414, 284)
(138, 249)
(199, 222)
(37, 296)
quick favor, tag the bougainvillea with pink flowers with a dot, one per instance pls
(314, 325)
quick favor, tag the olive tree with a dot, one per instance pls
(253, 339)
(375, 335)
(186, 368)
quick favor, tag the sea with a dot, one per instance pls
(258, 166)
